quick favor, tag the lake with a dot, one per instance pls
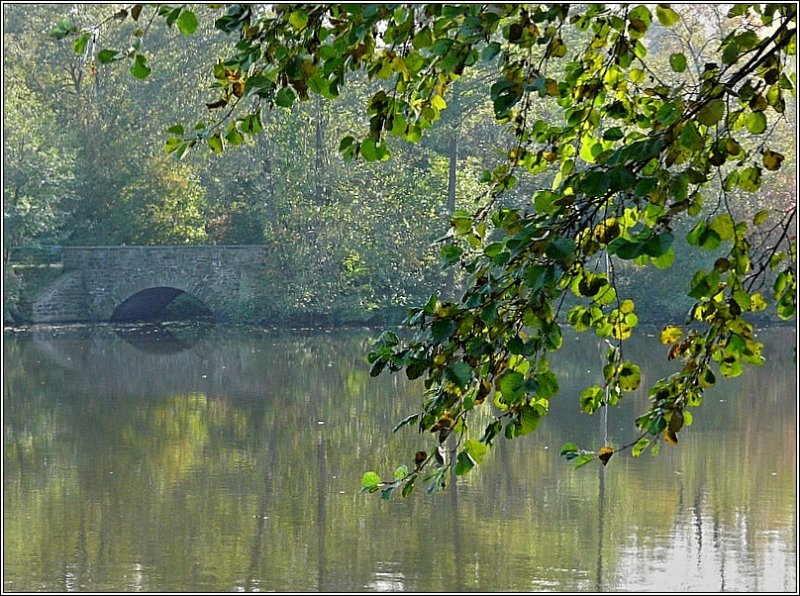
(219, 460)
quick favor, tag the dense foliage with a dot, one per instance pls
(631, 138)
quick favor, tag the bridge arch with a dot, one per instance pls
(150, 304)
(147, 299)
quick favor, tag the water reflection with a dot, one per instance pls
(163, 338)
(235, 465)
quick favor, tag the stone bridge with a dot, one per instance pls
(129, 283)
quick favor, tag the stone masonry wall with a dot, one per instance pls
(63, 301)
(220, 276)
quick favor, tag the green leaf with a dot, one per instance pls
(658, 245)
(107, 56)
(712, 112)
(690, 137)
(140, 70)
(405, 421)
(666, 16)
(489, 52)
(511, 385)
(730, 52)
(285, 97)
(677, 62)
(377, 367)
(233, 136)
(370, 481)
(298, 19)
(459, 373)
(637, 75)
(527, 422)
(215, 142)
(750, 179)
(707, 378)
(442, 329)
(463, 464)
(476, 450)
(424, 39)
(80, 44)
(172, 15)
(369, 150)
(702, 235)
(626, 249)
(629, 376)
(561, 249)
(760, 217)
(346, 143)
(723, 225)
(664, 261)
(450, 254)
(251, 124)
(63, 28)
(756, 123)
(569, 449)
(591, 399)
(731, 367)
(640, 446)
(547, 384)
(399, 473)
(172, 144)
(187, 22)
(582, 460)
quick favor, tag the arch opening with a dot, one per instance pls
(162, 304)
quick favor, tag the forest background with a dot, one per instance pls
(85, 164)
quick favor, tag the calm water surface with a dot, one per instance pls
(232, 462)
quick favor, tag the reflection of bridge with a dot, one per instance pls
(137, 282)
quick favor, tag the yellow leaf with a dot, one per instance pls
(757, 303)
(670, 437)
(670, 334)
(605, 454)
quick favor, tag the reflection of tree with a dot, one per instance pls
(190, 470)
(601, 508)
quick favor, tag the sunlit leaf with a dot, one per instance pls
(187, 22)
(756, 123)
(399, 473)
(298, 19)
(370, 481)
(140, 70)
(666, 16)
(629, 376)
(670, 334)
